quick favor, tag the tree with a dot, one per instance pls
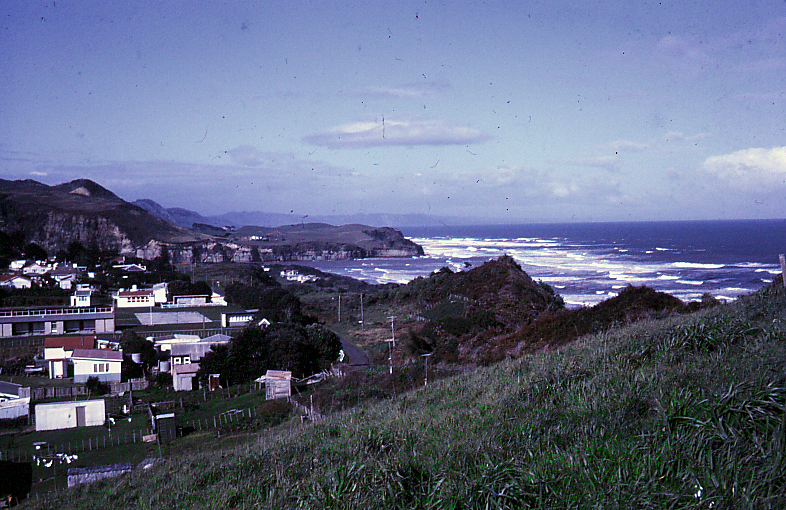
(131, 343)
(299, 349)
(34, 252)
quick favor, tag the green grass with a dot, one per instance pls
(683, 412)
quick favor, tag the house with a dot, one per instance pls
(237, 319)
(160, 292)
(53, 321)
(183, 376)
(135, 298)
(130, 268)
(183, 353)
(100, 363)
(58, 352)
(66, 275)
(15, 281)
(81, 297)
(66, 415)
(36, 268)
(165, 343)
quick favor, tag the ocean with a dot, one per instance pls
(589, 262)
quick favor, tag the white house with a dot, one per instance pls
(66, 415)
(58, 352)
(100, 363)
(81, 297)
(165, 343)
(15, 281)
(135, 298)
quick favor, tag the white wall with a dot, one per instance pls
(85, 368)
(14, 408)
(62, 415)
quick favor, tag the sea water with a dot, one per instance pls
(589, 262)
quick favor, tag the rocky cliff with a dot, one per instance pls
(81, 211)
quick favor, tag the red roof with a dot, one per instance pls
(69, 343)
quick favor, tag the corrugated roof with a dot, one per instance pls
(69, 343)
(98, 354)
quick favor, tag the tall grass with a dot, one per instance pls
(686, 412)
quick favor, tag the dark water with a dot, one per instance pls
(589, 262)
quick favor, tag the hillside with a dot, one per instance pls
(81, 211)
(682, 412)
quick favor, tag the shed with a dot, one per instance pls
(278, 384)
(67, 415)
(183, 376)
(165, 427)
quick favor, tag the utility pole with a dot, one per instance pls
(425, 357)
(393, 329)
(362, 323)
(339, 308)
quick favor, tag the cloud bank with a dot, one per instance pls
(749, 168)
(392, 132)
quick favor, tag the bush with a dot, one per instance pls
(96, 387)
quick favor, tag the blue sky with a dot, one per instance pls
(506, 111)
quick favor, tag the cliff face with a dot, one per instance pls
(81, 211)
(228, 251)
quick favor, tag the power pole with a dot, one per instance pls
(339, 308)
(362, 323)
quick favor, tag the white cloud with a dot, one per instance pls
(416, 90)
(749, 168)
(388, 132)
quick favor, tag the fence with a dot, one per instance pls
(127, 437)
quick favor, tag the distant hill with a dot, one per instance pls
(82, 211)
(186, 218)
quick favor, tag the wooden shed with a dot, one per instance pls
(278, 384)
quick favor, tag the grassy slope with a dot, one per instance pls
(684, 412)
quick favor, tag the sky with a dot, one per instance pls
(499, 112)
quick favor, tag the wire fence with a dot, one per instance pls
(110, 439)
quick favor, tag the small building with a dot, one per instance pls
(278, 384)
(135, 298)
(100, 363)
(15, 281)
(165, 427)
(237, 319)
(77, 476)
(81, 297)
(160, 292)
(183, 376)
(67, 415)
